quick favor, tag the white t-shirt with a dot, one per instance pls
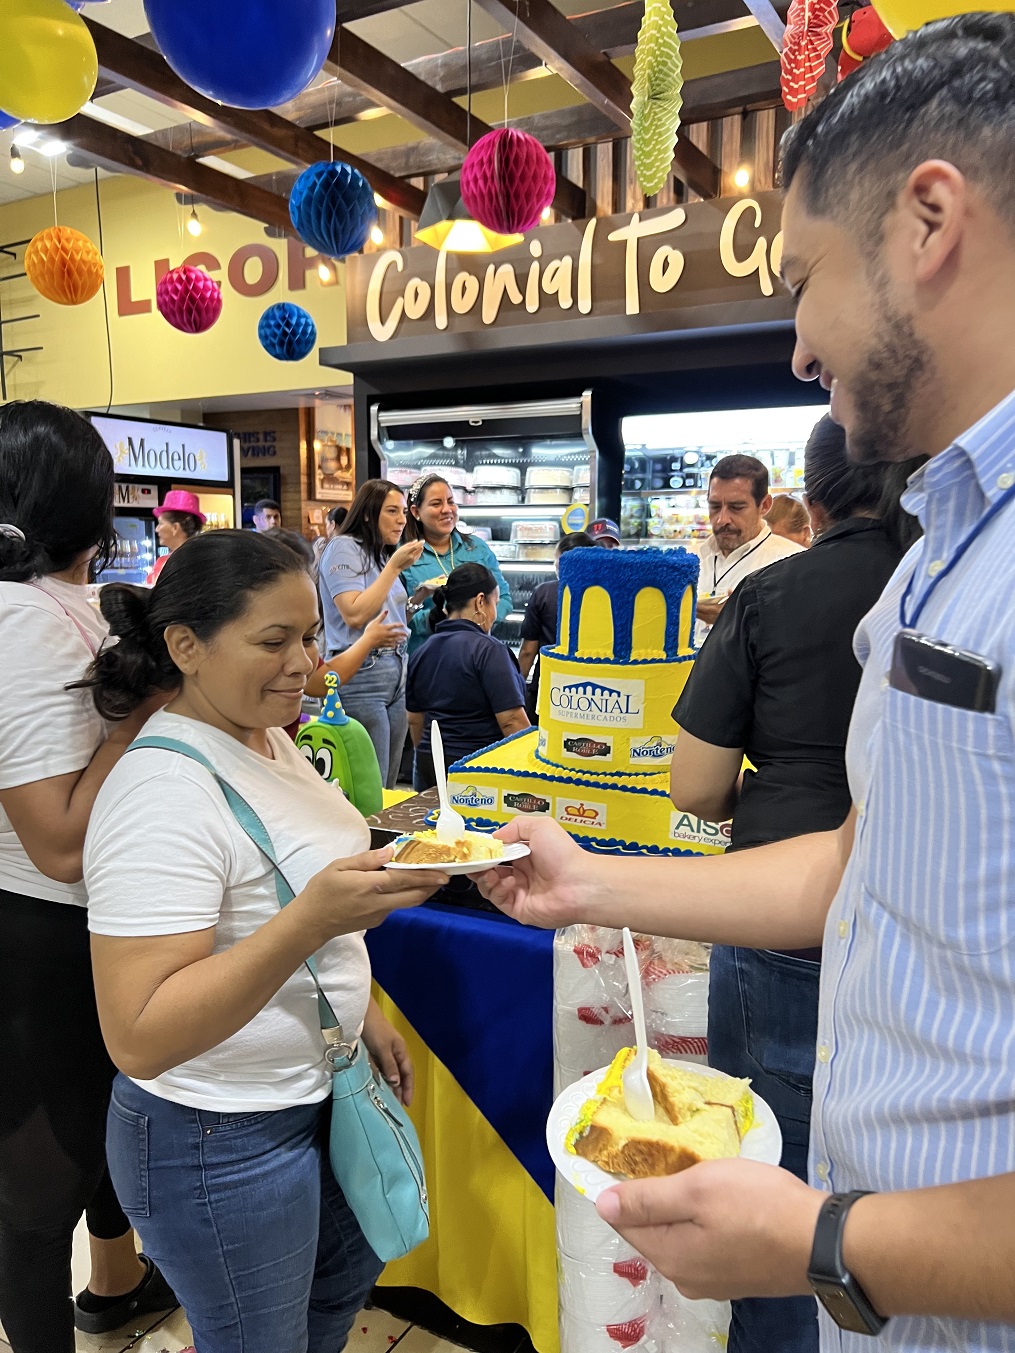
(165, 856)
(721, 573)
(49, 631)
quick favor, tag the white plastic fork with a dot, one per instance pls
(450, 825)
(634, 1080)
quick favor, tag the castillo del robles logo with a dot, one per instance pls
(589, 749)
(525, 803)
(473, 797)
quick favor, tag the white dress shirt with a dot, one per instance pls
(720, 573)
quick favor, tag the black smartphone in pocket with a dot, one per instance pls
(936, 671)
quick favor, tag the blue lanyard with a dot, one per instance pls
(964, 545)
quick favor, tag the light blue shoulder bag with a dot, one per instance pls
(374, 1150)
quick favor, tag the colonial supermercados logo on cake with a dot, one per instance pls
(578, 812)
(614, 704)
(651, 750)
(521, 802)
(585, 747)
(695, 831)
(474, 797)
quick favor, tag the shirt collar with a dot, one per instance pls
(986, 450)
(849, 526)
(460, 623)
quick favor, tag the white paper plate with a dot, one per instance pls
(763, 1142)
(515, 852)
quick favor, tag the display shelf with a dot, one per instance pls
(553, 511)
(525, 565)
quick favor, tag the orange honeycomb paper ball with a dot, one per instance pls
(64, 266)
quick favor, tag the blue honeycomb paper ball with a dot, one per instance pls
(287, 332)
(332, 207)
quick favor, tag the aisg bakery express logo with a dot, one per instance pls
(520, 802)
(593, 703)
(657, 748)
(578, 812)
(695, 831)
(473, 796)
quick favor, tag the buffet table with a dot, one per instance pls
(472, 992)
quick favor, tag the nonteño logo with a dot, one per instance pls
(576, 812)
(617, 705)
(474, 796)
(656, 748)
(695, 831)
(525, 803)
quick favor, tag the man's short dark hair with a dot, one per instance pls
(266, 505)
(743, 467)
(946, 91)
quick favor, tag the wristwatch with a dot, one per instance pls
(833, 1284)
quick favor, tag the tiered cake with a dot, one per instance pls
(599, 761)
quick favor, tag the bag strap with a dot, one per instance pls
(252, 826)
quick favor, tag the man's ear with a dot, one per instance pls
(933, 207)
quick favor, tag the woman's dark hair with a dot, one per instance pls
(845, 489)
(574, 540)
(364, 517)
(463, 583)
(56, 488)
(191, 524)
(337, 515)
(205, 586)
(414, 496)
(293, 541)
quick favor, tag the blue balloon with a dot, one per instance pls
(287, 332)
(244, 53)
(332, 207)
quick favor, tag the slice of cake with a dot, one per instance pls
(698, 1117)
(424, 848)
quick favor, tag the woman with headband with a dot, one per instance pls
(433, 519)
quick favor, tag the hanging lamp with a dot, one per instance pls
(445, 223)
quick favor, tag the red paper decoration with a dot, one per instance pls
(507, 181)
(189, 299)
(63, 265)
(810, 26)
(863, 35)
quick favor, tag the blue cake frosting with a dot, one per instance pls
(623, 574)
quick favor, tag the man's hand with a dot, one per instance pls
(388, 1052)
(708, 609)
(724, 1229)
(552, 886)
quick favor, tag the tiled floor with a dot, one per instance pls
(375, 1331)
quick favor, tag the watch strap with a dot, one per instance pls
(835, 1287)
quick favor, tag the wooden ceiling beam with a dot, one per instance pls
(120, 152)
(134, 66)
(383, 80)
(552, 37)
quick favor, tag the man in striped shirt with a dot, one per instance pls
(900, 250)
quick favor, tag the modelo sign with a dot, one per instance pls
(165, 449)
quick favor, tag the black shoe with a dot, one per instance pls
(152, 1293)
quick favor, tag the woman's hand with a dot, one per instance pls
(358, 893)
(389, 1053)
(406, 555)
(380, 634)
(551, 887)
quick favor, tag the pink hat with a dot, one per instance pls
(182, 500)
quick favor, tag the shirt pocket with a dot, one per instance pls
(936, 831)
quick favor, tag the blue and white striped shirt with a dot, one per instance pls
(915, 1078)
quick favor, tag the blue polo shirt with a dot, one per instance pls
(463, 678)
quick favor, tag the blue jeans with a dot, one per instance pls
(763, 1023)
(375, 697)
(243, 1216)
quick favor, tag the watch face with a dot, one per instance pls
(840, 1306)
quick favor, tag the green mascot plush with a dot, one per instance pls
(340, 749)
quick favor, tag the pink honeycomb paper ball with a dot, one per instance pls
(507, 181)
(189, 299)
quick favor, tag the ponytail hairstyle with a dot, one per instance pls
(205, 587)
(463, 584)
(363, 521)
(56, 491)
(845, 489)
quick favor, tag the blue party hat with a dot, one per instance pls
(333, 713)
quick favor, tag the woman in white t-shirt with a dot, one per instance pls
(56, 519)
(217, 1122)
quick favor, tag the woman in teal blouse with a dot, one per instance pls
(433, 518)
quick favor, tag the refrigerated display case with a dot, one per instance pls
(668, 458)
(515, 469)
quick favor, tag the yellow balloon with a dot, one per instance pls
(902, 16)
(48, 65)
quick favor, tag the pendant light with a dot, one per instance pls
(445, 221)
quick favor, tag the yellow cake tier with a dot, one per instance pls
(608, 717)
(628, 814)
